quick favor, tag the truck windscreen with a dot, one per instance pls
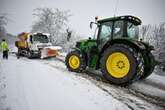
(40, 38)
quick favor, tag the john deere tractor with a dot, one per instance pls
(116, 50)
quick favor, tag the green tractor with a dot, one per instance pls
(116, 51)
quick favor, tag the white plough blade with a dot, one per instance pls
(51, 51)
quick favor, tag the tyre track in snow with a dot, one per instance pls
(154, 84)
(123, 93)
(3, 95)
(132, 88)
(128, 96)
(132, 99)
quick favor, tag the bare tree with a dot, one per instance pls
(71, 42)
(69, 33)
(155, 35)
(3, 23)
(51, 21)
(145, 31)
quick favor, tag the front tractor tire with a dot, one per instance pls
(121, 64)
(75, 61)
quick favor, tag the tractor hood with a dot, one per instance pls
(85, 44)
(136, 43)
(143, 45)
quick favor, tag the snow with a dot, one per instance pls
(154, 86)
(32, 85)
(47, 85)
(133, 95)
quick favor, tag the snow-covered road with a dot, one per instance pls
(47, 85)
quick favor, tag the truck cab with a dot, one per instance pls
(30, 45)
(38, 41)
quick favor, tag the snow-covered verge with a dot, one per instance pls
(32, 85)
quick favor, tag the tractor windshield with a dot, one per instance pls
(40, 38)
(132, 30)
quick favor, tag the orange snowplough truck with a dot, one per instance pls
(35, 45)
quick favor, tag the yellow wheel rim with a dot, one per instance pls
(74, 62)
(118, 65)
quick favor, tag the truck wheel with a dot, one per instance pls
(18, 54)
(149, 66)
(75, 61)
(120, 64)
(29, 55)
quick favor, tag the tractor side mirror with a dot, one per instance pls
(91, 25)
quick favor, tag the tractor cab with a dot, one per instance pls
(124, 27)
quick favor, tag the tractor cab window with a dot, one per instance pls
(132, 30)
(106, 32)
(118, 29)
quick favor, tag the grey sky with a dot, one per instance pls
(84, 11)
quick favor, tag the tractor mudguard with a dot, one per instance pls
(76, 49)
(132, 43)
(81, 52)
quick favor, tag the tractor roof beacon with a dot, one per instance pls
(115, 50)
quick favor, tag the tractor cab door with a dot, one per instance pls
(110, 30)
(105, 34)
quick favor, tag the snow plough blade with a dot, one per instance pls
(52, 51)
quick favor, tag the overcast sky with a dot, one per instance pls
(83, 11)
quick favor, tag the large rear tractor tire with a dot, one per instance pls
(121, 64)
(75, 61)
